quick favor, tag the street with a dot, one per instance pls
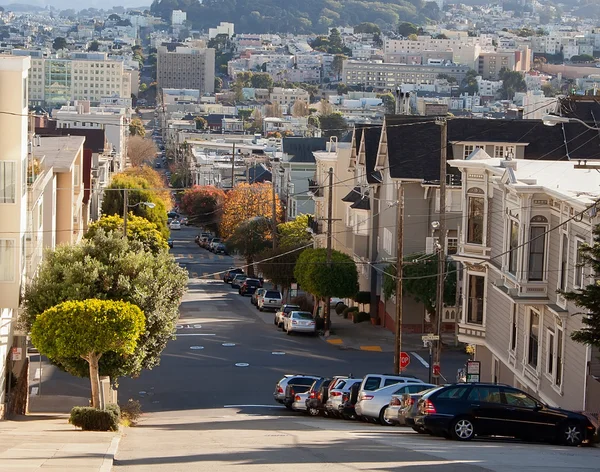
(209, 406)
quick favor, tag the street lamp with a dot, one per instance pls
(553, 120)
(126, 207)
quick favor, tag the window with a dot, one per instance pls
(559, 356)
(485, 394)
(475, 220)
(372, 383)
(564, 262)
(387, 241)
(388, 382)
(513, 244)
(550, 352)
(537, 243)
(578, 279)
(7, 260)
(533, 336)
(513, 328)
(469, 148)
(504, 152)
(517, 398)
(475, 289)
(453, 393)
(76, 180)
(8, 182)
(25, 93)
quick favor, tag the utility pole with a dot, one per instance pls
(273, 208)
(399, 264)
(441, 276)
(125, 211)
(233, 166)
(329, 248)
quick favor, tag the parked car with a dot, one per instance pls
(238, 279)
(299, 322)
(349, 399)
(409, 409)
(170, 242)
(175, 225)
(317, 396)
(465, 411)
(173, 214)
(299, 403)
(286, 388)
(184, 221)
(213, 244)
(271, 300)
(257, 293)
(373, 382)
(231, 273)
(280, 315)
(220, 249)
(335, 398)
(248, 287)
(373, 405)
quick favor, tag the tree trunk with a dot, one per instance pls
(93, 359)
(250, 264)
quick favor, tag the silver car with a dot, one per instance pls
(238, 280)
(372, 405)
(279, 393)
(335, 400)
(300, 402)
(281, 314)
(271, 300)
(299, 322)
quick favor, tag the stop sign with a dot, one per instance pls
(404, 360)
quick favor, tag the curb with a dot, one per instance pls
(110, 454)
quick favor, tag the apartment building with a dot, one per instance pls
(523, 225)
(491, 63)
(286, 97)
(83, 76)
(186, 68)
(382, 76)
(463, 50)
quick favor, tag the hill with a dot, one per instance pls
(298, 16)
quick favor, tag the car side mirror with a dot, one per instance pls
(538, 407)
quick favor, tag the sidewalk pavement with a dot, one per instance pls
(49, 442)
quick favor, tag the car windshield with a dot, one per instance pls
(253, 282)
(289, 308)
(272, 294)
(302, 315)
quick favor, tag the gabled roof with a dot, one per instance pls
(353, 196)
(478, 155)
(363, 204)
(259, 173)
(301, 149)
(371, 135)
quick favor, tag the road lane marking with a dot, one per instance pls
(420, 359)
(335, 341)
(253, 406)
(242, 364)
(278, 353)
(194, 334)
(371, 348)
(228, 344)
(196, 348)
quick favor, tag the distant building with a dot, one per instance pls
(223, 28)
(178, 17)
(186, 68)
(491, 63)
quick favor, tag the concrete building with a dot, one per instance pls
(490, 63)
(463, 50)
(178, 17)
(286, 98)
(186, 68)
(381, 75)
(223, 28)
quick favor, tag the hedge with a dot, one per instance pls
(94, 419)
(339, 308)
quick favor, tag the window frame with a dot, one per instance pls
(3, 199)
(563, 278)
(578, 271)
(550, 364)
(14, 260)
(512, 263)
(544, 238)
(468, 299)
(470, 238)
(514, 329)
(528, 353)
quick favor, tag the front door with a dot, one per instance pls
(485, 403)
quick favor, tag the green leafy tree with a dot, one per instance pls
(278, 265)
(218, 84)
(201, 122)
(59, 43)
(136, 128)
(87, 330)
(588, 298)
(512, 82)
(337, 66)
(109, 267)
(389, 102)
(294, 233)
(469, 83)
(204, 206)
(94, 46)
(138, 228)
(250, 238)
(143, 88)
(406, 29)
(261, 80)
(368, 28)
(333, 124)
(450, 79)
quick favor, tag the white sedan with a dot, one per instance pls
(175, 225)
(299, 321)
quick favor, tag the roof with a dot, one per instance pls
(301, 149)
(60, 151)
(364, 203)
(259, 173)
(95, 139)
(353, 196)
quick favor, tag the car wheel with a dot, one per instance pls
(275, 322)
(462, 429)
(382, 419)
(261, 308)
(418, 429)
(289, 332)
(571, 434)
(313, 411)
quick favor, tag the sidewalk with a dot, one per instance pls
(49, 442)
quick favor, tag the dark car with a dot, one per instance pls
(466, 410)
(231, 273)
(349, 400)
(249, 287)
(221, 249)
(317, 396)
(297, 385)
(170, 242)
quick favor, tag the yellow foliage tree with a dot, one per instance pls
(248, 201)
(156, 183)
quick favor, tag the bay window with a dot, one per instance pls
(533, 335)
(475, 219)
(475, 293)
(513, 245)
(537, 253)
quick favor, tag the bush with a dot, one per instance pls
(131, 411)
(303, 302)
(114, 409)
(348, 310)
(362, 316)
(362, 298)
(340, 307)
(94, 419)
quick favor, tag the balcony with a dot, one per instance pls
(35, 169)
(315, 189)
(316, 226)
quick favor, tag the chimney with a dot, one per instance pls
(398, 105)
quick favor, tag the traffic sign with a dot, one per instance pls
(404, 360)
(436, 369)
(430, 337)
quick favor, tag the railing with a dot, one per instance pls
(315, 188)
(35, 168)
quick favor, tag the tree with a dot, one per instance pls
(261, 80)
(277, 265)
(110, 267)
(448, 78)
(293, 233)
(246, 201)
(94, 46)
(88, 329)
(368, 28)
(588, 297)
(250, 238)
(140, 150)
(326, 108)
(420, 282)
(273, 110)
(337, 65)
(201, 122)
(469, 84)
(389, 102)
(204, 205)
(218, 84)
(583, 58)
(406, 29)
(154, 180)
(136, 128)
(138, 228)
(300, 108)
(59, 43)
(143, 88)
(512, 82)
(549, 90)
(333, 124)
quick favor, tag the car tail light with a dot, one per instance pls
(297, 398)
(279, 389)
(313, 394)
(395, 402)
(427, 408)
(411, 401)
(318, 396)
(294, 322)
(346, 397)
(366, 397)
(335, 394)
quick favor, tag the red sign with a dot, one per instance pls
(404, 360)
(436, 370)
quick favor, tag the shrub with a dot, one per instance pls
(303, 302)
(362, 298)
(340, 307)
(348, 310)
(362, 316)
(131, 411)
(114, 409)
(94, 419)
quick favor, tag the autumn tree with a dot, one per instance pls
(88, 329)
(138, 228)
(325, 108)
(201, 122)
(155, 180)
(246, 201)
(136, 128)
(204, 205)
(300, 108)
(110, 267)
(273, 110)
(140, 150)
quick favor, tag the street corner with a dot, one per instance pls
(371, 348)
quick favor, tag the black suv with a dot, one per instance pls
(465, 410)
(231, 273)
(249, 286)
